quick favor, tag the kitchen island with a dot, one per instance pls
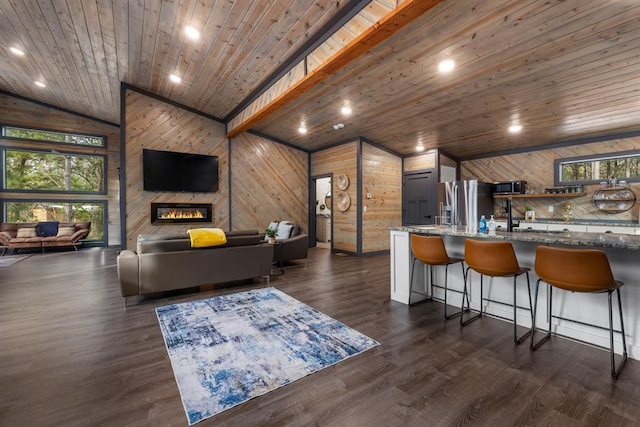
(574, 313)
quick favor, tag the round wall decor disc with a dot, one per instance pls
(343, 201)
(343, 182)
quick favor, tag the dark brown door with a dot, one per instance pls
(419, 198)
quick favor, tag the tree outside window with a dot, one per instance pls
(51, 136)
(36, 170)
(623, 166)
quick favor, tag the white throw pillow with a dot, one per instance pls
(65, 231)
(284, 230)
(27, 232)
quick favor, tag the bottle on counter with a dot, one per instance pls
(491, 225)
(482, 225)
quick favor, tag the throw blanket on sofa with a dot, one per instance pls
(207, 237)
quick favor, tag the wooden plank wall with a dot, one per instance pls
(154, 124)
(536, 168)
(20, 112)
(382, 178)
(420, 162)
(341, 159)
(269, 182)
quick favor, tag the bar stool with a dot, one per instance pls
(578, 270)
(430, 251)
(494, 259)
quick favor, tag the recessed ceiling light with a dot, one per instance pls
(192, 32)
(346, 110)
(302, 129)
(515, 128)
(446, 66)
(419, 148)
(175, 78)
(16, 51)
(40, 84)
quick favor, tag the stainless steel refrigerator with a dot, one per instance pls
(461, 203)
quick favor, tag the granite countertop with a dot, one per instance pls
(573, 222)
(568, 238)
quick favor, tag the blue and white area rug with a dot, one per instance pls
(229, 349)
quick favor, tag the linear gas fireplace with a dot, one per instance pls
(175, 213)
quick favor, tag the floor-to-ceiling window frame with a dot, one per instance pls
(54, 176)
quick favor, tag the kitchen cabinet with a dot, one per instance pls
(537, 226)
(610, 229)
(567, 226)
(323, 228)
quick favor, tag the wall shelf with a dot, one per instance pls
(538, 196)
(614, 199)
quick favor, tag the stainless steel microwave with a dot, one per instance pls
(510, 187)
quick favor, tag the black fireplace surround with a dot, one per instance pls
(181, 213)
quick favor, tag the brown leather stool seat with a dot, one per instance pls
(430, 251)
(494, 259)
(578, 270)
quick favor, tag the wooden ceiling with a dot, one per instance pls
(564, 69)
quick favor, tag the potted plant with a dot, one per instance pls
(271, 234)
(529, 214)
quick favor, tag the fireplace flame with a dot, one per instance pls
(178, 214)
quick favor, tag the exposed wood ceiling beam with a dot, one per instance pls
(393, 22)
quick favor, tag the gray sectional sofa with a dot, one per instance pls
(168, 263)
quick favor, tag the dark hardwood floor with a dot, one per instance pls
(71, 354)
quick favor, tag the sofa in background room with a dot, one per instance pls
(41, 235)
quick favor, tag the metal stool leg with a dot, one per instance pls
(616, 371)
(535, 345)
(446, 279)
(431, 281)
(411, 290)
(465, 294)
(411, 280)
(464, 276)
(515, 311)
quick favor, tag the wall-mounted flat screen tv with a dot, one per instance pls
(179, 172)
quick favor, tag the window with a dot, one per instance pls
(51, 136)
(64, 182)
(59, 210)
(53, 172)
(594, 169)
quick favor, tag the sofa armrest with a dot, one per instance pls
(128, 273)
(80, 234)
(292, 248)
(266, 259)
(5, 237)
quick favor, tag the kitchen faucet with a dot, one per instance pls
(510, 224)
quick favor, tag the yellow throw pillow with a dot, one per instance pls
(205, 237)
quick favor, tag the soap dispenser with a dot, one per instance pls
(482, 226)
(492, 226)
